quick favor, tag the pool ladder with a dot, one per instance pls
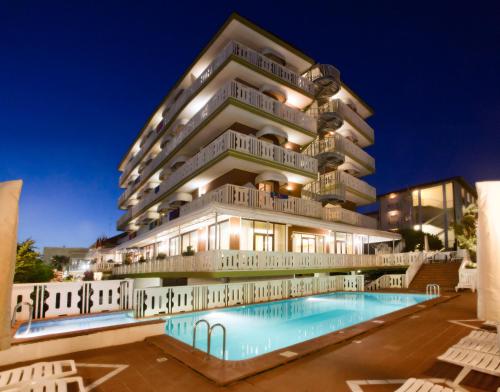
(209, 335)
(16, 308)
(433, 289)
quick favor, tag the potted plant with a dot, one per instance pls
(161, 256)
(189, 251)
(142, 259)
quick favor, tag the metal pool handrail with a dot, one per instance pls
(194, 331)
(16, 308)
(433, 289)
(223, 339)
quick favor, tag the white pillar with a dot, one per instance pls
(488, 249)
(9, 202)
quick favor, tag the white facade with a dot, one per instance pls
(256, 149)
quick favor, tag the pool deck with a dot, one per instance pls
(369, 362)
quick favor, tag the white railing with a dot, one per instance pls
(340, 144)
(102, 267)
(252, 198)
(387, 281)
(338, 183)
(348, 115)
(151, 301)
(235, 141)
(413, 269)
(339, 214)
(240, 260)
(233, 48)
(71, 298)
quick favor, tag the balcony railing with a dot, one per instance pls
(347, 114)
(340, 144)
(242, 94)
(233, 141)
(241, 260)
(335, 185)
(238, 50)
(252, 198)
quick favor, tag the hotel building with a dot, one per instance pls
(256, 152)
(432, 207)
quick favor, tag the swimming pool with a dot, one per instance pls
(72, 324)
(254, 330)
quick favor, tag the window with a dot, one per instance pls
(308, 243)
(219, 240)
(262, 236)
(190, 239)
(173, 249)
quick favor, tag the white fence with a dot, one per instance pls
(387, 281)
(241, 260)
(169, 300)
(71, 298)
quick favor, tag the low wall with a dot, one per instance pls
(169, 300)
(31, 351)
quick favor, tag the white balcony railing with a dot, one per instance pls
(340, 144)
(238, 50)
(337, 184)
(242, 94)
(241, 260)
(230, 141)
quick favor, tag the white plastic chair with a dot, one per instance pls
(24, 375)
(419, 385)
(53, 385)
(471, 360)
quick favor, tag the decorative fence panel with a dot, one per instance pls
(169, 300)
(71, 298)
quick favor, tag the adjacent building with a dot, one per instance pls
(257, 149)
(78, 258)
(432, 207)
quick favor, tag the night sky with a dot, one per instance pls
(78, 81)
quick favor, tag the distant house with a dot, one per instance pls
(78, 259)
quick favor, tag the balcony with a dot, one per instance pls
(227, 261)
(252, 198)
(337, 187)
(336, 116)
(335, 150)
(230, 141)
(232, 49)
(232, 90)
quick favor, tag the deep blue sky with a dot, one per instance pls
(78, 80)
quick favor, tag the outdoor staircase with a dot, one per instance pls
(443, 274)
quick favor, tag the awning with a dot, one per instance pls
(271, 176)
(275, 131)
(175, 201)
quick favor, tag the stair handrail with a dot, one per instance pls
(413, 269)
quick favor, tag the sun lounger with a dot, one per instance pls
(53, 385)
(418, 385)
(38, 371)
(482, 336)
(471, 360)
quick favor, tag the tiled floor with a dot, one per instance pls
(404, 349)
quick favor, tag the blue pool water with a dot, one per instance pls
(254, 330)
(54, 326)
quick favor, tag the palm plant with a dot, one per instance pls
(465, 231)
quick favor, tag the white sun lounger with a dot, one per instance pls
(471, 360)
(35, 372)
(482, 336)
(54, 385)
(419, 385)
